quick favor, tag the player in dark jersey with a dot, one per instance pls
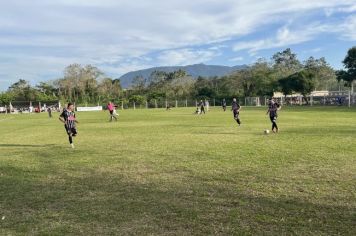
(224, 104)
(273, 108)
(49, 110)
(202, 107)
(69, 120)
(235, 107)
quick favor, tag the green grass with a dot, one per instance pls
(158, 172)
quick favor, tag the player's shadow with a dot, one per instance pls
(99, 198)
(26, 145)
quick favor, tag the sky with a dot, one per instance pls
(39, 38)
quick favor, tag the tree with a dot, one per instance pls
(203, 88)
(47, 88)
(348, 75)
(138, 84)
(137, 99)
(323, 73)
(286, 85)
(301, 82)
(6, 98)
(22, 90)
(80, 83)
(109, 89)
(285, 63)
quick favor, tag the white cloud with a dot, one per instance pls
(236, 59)
(109, 32)
(348, 28)
(284, 37)
(181, 57)
(349, 9)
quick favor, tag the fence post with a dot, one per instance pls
(196, 103)
(122, 105)
(146, 104)
(176, 104)
(245, 101)
(214, 102)
(349, 98)
(311, 100)
(134, 105)
(155, 103)
(186, 102)
(166, 104)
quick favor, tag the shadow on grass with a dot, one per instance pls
(101, 203)
(27, 145)
(312, 131)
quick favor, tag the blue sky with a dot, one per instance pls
(39, 38)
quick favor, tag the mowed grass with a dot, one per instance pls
(158, 172)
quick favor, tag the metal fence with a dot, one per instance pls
(29, 106)
(339, 98)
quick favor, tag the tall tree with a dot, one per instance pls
(301, 82)
(323, 73)
(138, 84)
(22, 90)
(349, 75)
(286, 63)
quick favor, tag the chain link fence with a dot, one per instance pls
(337, 98)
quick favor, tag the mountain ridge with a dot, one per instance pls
(194, 70)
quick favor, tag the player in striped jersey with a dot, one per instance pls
(273, 108)
(69, 120)
(235, 108)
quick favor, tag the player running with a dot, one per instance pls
(113, 114)
(69, 120)
(235, 107)
(273, 107)
(224, 104)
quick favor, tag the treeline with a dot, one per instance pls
(282, 73)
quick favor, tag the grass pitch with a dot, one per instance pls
(158, 172)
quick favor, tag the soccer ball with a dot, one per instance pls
(266, 131)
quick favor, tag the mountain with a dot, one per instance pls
(192, 70)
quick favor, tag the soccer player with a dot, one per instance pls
(202, 107)
(69, 120)
(111, 108)
(235, 107)
(273, 107)
(224, 104)
(49, 110)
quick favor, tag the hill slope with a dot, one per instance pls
(193, 70)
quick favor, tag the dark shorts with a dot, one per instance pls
(111, 112)
(273, 118)
(236, 114)
(71, 131)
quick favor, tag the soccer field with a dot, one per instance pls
(158, 172)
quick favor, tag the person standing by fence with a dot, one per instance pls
(49, 110)
(224, 104)
(202, 107)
